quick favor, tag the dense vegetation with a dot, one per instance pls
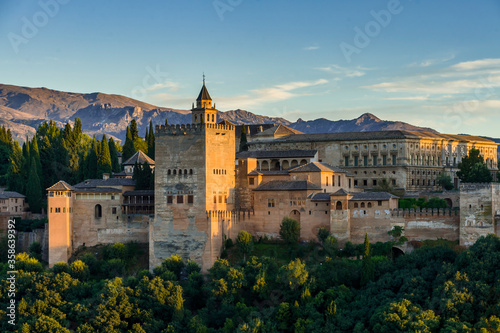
(433, 202)
(67, 154)
(433, 289)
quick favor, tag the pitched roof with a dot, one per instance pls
(61, 186)
(372, 196)
(320, 196)
(378, 135)
(277, 153)
(317, 167)
(97, 190)
(287, 185)
(268, 172)
(340, 192)
(139, 157)
(279, 130)
(110, 182)
(203, 94)
(10, 194)
(140, 192)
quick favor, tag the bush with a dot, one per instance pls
(290, 230)
(323, 234)
(36, 250)
(60, 267)
(91, 261)
(173, 264)
(79, 270)
(114, 267)
(245, 243)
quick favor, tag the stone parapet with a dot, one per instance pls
(185, 129)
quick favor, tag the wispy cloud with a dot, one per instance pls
(311, 48)
(340, 72)
(173, 86)
(480, 78)
(432, 61)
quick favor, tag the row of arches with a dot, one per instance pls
(180, 172)
(276, 164)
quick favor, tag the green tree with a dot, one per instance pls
(33, 189)
(472, 169)
(245, 243)
(151, 141)
(368, 270)
(113, 153)
(445, 182)
(290, 230)
(128, 147)
(243, 139)
(323, 234)
(104, 164)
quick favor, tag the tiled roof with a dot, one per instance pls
(340, 192)
(140, 192)
(204, 94)
(277, 153)
(279, 130)
(372, 196)
(10, 194)
(97, 190)
(139, 157)
(374, 135)
(61, 186)
(320, 197)
(267, 172)
(287, 185)
(317, 167)
(110, 182)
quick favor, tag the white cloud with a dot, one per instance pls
(432, 61)
(340, 72)
(311, 48)
(173, 86)
(479, 79)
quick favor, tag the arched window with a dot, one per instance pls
(98, 211)
(185, 171)
(215, 199)
(195, 118)
(355, 205)
(362, 205)
(190, 171)
(326, 180)
(169, 172)
(174, 172)
(180, 171)
(369, 205)
(338, 206)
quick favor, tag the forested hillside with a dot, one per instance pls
(433, 289)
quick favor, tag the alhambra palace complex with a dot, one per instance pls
(206, 191)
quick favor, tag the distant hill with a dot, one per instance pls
(23, 109)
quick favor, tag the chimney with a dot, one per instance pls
(105, 176)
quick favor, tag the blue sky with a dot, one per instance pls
(429, 63)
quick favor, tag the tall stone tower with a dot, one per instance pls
(194, 187)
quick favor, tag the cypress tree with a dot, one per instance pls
(113, 153)
(33, 189)
(15, 179)
(243, 139)
(92, 160)
(104, 158)
(35, 153)
(77, 129)
(368, 270)
(151, 141)
(128, 147)
(133, 130)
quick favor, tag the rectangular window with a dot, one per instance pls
(340, 183)
(365, 160)
(180, 199)
(64, 209)
(375, 159)
(365, 182)
(394, 182)
(384, 160)
(251, 181)
(374, 182)
(327, 181)
(270, 202)
(380, 202)
(220, 198)
(51, 209)
(170, 199)
(346, 160)
(349, 183)
(355, 182)
(355, 160)
(113, 210)
(393, 159)
(190, 199)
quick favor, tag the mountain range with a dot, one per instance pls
(23, 109)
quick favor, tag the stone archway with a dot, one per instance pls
(338, 206)
(449, 202)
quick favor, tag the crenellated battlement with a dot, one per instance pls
(468, 187)
(184, 129)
